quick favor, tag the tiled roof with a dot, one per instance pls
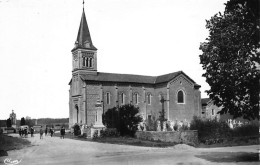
(204, 101)
(83, 35)
(129, 78)
(170, 76)
(112, 77)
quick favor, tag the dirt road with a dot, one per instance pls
(53, 150)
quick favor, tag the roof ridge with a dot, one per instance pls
(126, 74)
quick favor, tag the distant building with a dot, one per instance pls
(176, 92)
(209, 110)
(13, 118)
(28, 118)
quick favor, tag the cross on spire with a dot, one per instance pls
(83, 3)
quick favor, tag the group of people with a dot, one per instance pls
(23, 132)
(51, 132)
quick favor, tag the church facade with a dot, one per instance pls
(175, 93)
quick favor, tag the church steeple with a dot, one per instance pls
(84, 39)
(84, 54)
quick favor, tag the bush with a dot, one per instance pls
(175, 127)
(151, 125)
(109, 132)
(246, 130)
(184, 128)
(77, 130)
(210, 129)
(125, 119)
(168, 128)
(95, 135)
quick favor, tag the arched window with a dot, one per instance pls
(136, 98)
(149, 99)
(160, 98)
(84, 61)
(108, 97)
(180, 97)
(122, 98)
(87, 63)
(90, 62)
(212, 112)
(77, 111)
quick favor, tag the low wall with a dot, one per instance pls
(189, 137)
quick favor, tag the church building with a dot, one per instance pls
(176, 93)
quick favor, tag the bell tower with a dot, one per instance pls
(84, 62)
(84, 53)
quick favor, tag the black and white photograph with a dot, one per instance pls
(129, 82)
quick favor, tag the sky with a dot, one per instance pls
(143, 37)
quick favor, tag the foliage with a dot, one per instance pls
(50, 121)
(29, 122)
(111, 118)
(8, 122)
(162, 118)
(231, 59)
(109, 132)
(175, 127)
(246, 130)
(134, 142)
(95, 135)
(151, 125)
(77, 130)
(168, 128)
(210, 129)
(125, 119)
(213, 131)
(183, 128)
(22, 121)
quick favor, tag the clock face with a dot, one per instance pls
(87, 45)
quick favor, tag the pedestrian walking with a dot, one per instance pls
(32, 131)
(25, 133)
(51, 130)
(41, 133)
(20, 132)
(46, 131)
(62, 132)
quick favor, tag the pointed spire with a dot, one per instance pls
(84, 38)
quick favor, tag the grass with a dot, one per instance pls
(123, 141)
(229, 156)
(134, 142)
(236, 141)
(11, 143)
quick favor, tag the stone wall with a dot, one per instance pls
(189, 137)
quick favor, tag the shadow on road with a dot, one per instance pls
(229, 156)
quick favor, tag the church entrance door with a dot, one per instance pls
(77, 111)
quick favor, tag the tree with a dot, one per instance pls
(231, 59)
(125, 119)
(77, 130)
(29, 122)
(22, 121)
(8, 122)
